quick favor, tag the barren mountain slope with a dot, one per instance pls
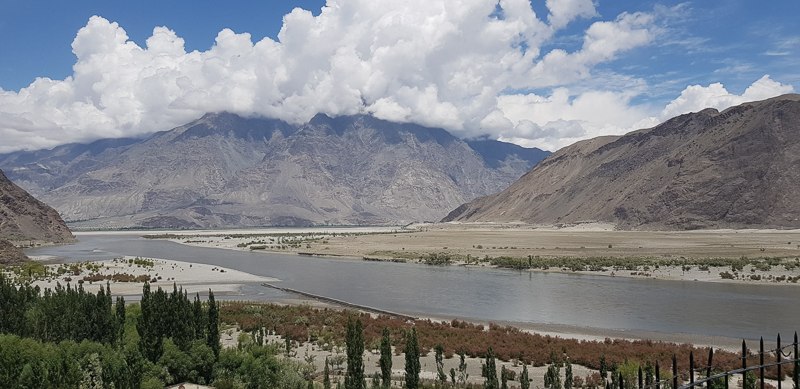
(22, 217)
(11, 254)
(739, 168)
(225, 170)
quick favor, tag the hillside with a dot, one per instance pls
(24, 218)
(736, 169)
(226, 170)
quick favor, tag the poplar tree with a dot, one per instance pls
(150, 343)
(439, 358)
(120, 319)
(567, 374)
(524, 378)
(199, 318)
(354, 377)
(212, 332)
(490, 371)
(386, 358)
(326, 379)
(412, 359)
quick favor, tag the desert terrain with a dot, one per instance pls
(470, 244)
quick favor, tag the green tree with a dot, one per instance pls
(412, 359)
(567, 374)
(386, 358)
(503, 378)
(524, 378)
(120, 320)
(750, 380)
(490, 371)
(92, 373)
(326, 378)
(603, 368)
(462, 369)
(439, 358)
(199, 318)
(552, 378)
(150, 340)
(354, 376)
(376, 380)
(718, 383)
(212, 331)
(649, 374)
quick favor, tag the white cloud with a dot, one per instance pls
(555, 121)
(572, 114)
(438, 63)
(696, 97)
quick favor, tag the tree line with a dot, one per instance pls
(69, 338)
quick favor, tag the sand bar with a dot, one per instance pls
(192, 277)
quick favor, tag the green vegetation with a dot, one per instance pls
(386, 358)
(68, 338)
(412, 352)
(354, 378)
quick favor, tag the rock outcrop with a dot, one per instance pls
(24, 218)
(10, 254)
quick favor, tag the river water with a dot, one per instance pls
(602, 302)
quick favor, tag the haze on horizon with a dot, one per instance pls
(541, 73)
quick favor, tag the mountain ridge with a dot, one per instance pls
(226, 170)
(708, 169)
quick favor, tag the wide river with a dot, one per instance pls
(602, 302)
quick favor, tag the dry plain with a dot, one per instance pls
(477, 241)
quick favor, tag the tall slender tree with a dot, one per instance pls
(412, 359)
(354, 376)
(567, 374)
(326, 378)
(524, 378)
(386, 358)
(120, 319)
(199, 317)
(490, 371)
(212, 332)
(439, 359)
(150, 342)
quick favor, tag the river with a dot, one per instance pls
(596, 301)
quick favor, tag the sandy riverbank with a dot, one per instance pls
(192, 277)
(520, 241)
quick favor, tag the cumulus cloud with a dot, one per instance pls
(696, 97)
(567, 116)
(438, 63)
(562, 118)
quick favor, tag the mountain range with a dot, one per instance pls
(739, 168)
(225, 170)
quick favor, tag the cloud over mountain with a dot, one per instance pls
(473, 67)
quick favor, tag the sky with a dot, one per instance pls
(541, 73)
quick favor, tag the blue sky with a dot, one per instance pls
(544, 73)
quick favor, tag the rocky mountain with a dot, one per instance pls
(11, 254)
(23, 217)
(732, 169)
(226, 170)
